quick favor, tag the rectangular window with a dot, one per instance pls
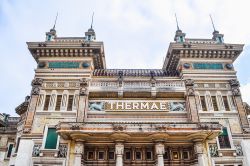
(70, 102)
(226, 103)
(40, 102)
(127, 155)
(46, 104)
(138, 155)
(215, 103)
(224, 139)
(185, 155)
(90, 155)
(51, 139)
(165, 156)
(175, 155)
(100, 155)
(111, 155)
(9, 150)
(58, 102)
(203, 103)
(149, 155)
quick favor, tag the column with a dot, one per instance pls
(200, 151)
(160, 150)
(24, 154)
(79, 149)
(119, 150)
(190, 100)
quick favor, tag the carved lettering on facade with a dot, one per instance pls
(134, 105)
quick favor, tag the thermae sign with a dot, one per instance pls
(134, 105)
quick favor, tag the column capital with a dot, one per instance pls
(119, 148)
(199, 148)
(159, 148)
(79, 147)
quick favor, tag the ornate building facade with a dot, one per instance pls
(189, 113)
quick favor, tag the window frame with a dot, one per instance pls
(209, 102)
(52, 104)
(8, 145)
(229, 137)
(64, 108)
(41, 107)
(45, 133)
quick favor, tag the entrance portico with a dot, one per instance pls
(125, 144)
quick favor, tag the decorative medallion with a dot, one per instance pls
(41, 64)
(186, 65)
(85, 64)
(229, 66)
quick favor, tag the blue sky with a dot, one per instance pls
(136, 34)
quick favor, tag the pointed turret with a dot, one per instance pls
(51, 35)
(217, 36)
(179, 35)
(90, 34)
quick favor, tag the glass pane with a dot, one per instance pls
(9, 150)
(51, 139)
(111, 155)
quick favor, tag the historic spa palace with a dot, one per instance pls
(79, 113)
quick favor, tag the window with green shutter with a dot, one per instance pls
(224, 139)
(51, 139)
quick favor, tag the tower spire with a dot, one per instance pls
(55, 21)
(179, 35)
(177, 22)
(90, 34)
(216, 34)
(212, 22)
(92, 21)
(51, 35)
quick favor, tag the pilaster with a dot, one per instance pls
(190, 100)
(24, 155)
(36, 87)
(239, 104)
(83, 100)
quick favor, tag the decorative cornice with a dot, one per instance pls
(136, 72)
